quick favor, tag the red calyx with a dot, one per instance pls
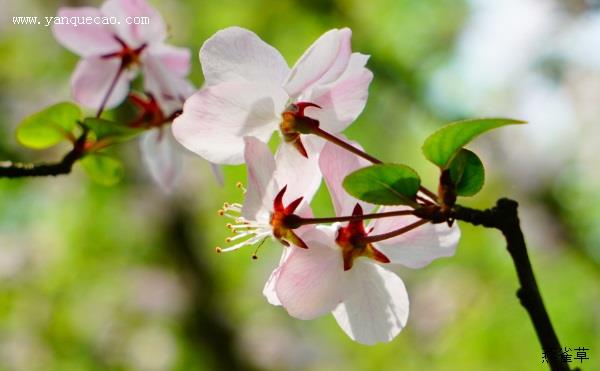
(295, 123)
(350, 239)
(150, 113)
(284, 221)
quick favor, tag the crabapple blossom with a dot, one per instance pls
(158, 148)
(112, 54)
(277, 186)
(251, 91)
(341, 270)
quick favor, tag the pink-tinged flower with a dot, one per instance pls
(250, 91)
(160, 152)
(162, 158)
(113, 53)
(342, 272)
(277, 187)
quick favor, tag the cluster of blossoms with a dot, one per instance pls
(336, 264)
(115, 54)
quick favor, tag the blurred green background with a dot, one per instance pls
(126, 278)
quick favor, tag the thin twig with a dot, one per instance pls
(504, 217)
(20, 170)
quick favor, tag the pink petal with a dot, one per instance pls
(175, 59)
(88, 39)
(310, 281)
(344, 99)
(322, 62)
(376, 306)
(300, 174)
(237, 54)
(261, 166)
(269, 289)
(92, 79)
(129, 11)
(169, 89)
(216, 118)
(336, 163)
(416, 248)
(162, 158)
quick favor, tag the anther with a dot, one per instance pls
(240, 185)
(255, 253)
(221, 212)
(218, 250)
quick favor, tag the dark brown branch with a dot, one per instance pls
(20, 170)
(504, 217)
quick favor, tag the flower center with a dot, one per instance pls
(284, 221)
(128, 56)
(351, 240)
(251, 232)
(150, 113)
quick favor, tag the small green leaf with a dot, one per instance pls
(441, 146)
(48, 127)
(109, 129)
(384, 184)
(103, 169)
(467, 173)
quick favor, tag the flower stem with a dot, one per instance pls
(429, 194)
(113, 83)
(504, 217)
(304, 221)
(349, 147)
(392, 234)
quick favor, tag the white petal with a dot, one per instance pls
(88, 39)
(91, 82)
(269, 289)
(261, 166)
(376, 306)
(131, 11)
(344, 99)
(336, 163)
(216, 119)
(300, 174)
(310, 281)
(162, 158)
(418, 247)
(177, 60)
(237, 54)
(322, 62)
(169, 89)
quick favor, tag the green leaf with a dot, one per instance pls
(103, 169)
(109, 129)
(467, 173)
(48, 127)
(441, 146)
(384, 184)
